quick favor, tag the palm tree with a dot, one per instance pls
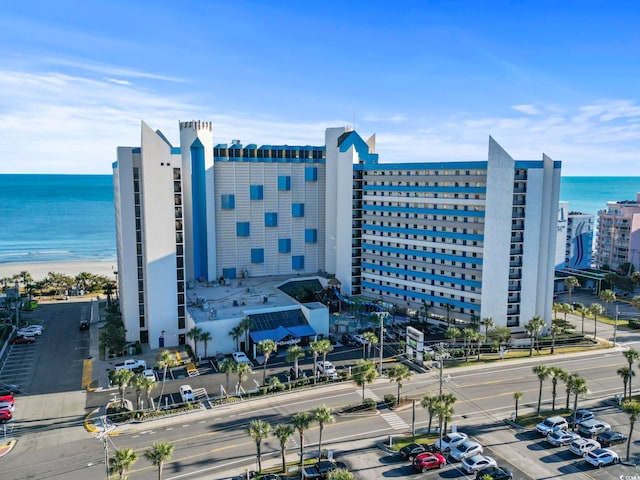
(235, 333)
(488, 323)
(301, 421)
(242, 370)
(452, 333)
(194, 334)
(325, 348)
(635, 301)
(429, 402)
(534, 326)
(315, 347)
(143, 384)
(567, 378)
(578, 387)
(228, 366)
(517, 396)
(399, 373)
(595, 309)
(294, 354)
(246, 324)
(631, 355)
(542, 372)
(448, 307)
(164, 361)
(444, 411)
(571, 283)
(340, 474)
(469, 335)
(122, 460)
(323, 415)
(632, 409)
(158, 454)
(206, 337)
(283, 432)
(370, 338)
(259, 430)
(480, 338)
(556, 307)
(583, 311)
(607, 296)
(275, 384)
(267, 347)
(365, 372)
(122, 378)
(625, 373)
(555, 373)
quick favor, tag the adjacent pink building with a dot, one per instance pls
(618, 239)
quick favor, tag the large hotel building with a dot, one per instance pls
(203, 228)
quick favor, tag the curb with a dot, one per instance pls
(6, 449)
(88, 425)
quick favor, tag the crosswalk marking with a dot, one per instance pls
(394, 420)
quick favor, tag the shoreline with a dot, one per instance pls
(40, 270)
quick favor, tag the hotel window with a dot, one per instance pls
(271, 219)
(242, 229)
(284, 183)
(284, 245)
(228, 202)
(256, 192)
(257, 255)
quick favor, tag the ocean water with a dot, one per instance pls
(53, 218)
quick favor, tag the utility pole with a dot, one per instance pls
(441, 364)
(104, 436)
(615, 327)
(382, 315)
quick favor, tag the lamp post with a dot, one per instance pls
(17, 303)
(382, 315)
(615, 327)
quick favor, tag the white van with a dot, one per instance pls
(582, 446)
(552, 424)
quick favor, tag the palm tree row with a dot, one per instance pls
(627, 373)
(260, 430)
(123, 459)
(574, 385)
(198, 335)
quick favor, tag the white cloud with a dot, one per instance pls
(527, 109)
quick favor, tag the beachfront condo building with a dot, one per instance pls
(574, 245)
(618, 238)
(464, 239)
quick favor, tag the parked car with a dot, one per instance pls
(186, 393)
(582, 446)
(581, 416)
(477, 462)
(591, 428)
(132, 364)
(496, 473)
(9, 388)
(319, 470)
(428, 461)
(149, 373)
(601, 457)
(413, 449)
(466, 449)
(5, 415)
(359, 338)
(270, 476)
(610, 437)
(84, 324)
(22, 340)
(348, 340)
(451, 440)
(552, 424)
(293, 375)
(29, 332)
(561, 438)
(241, 357)
(7, 397)
(327, 368)
(5, 405)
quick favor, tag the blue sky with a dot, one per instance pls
(432, 79)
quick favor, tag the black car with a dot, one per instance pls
(496, 473)
(270, 476)
(349, 341)
(319, 470)
(296, 375)
(606, 439)
(413, 449)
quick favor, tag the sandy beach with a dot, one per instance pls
(40, 270)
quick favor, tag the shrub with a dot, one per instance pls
(189, 350)
(390, 399)
(370, 403)
(634, 323)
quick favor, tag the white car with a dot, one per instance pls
(552, 424)
(327, 368)
(466, 449)
(27, 333)
(582, 446)
(241, 357)
(186, 393)
(601, 457)
(8, 406)
(149, 373)
(478, 462)
(450, 441)
(561, 438)
(360, 339)
(35, 329)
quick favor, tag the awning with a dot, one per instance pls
(281, 333)
(302, 331)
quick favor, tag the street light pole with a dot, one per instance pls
(441, 365)
(381, 315)
(615, 327)
(17, 303)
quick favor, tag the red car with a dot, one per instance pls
(5, 414)
(427, 461)
(22, 340)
